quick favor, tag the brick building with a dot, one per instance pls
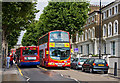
(111, 32)
(88, 42)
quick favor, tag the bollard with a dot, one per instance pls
(115, 69)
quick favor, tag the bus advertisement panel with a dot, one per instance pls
(27, 56)
(54, 49)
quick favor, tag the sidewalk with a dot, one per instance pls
(11, 74)
(111, 73)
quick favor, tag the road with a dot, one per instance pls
(40, 74)
(64, 75)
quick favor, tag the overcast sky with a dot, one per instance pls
(43, 3)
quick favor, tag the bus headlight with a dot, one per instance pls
(25, 58)
(67, 63)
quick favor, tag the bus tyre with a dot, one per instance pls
(105, 72)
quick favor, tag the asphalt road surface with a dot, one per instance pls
(59, 75)
(39, 74)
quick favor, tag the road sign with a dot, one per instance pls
(75, 49)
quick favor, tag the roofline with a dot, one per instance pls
(93, 12)
(108, 5)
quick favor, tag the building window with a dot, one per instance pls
(89, 35)
(79, 39)
(89, 20)
(93, 19)
(104, 15)
(116, 9)
(93, 32)
(81, 48)
(113, 48)
(110, 29)
(115, 26)
(88, 49)
(93, 48)
(82, 36)
(86, 35)
(110, 12)
(104, 30)
(104, 48)
(76, 37)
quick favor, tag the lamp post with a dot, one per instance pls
(100, 32)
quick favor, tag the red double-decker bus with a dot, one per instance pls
(54, 49)
(27, 56)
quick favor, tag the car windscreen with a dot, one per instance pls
(82, 60)
(99, 61)
(59, 53)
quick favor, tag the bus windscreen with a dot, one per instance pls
(29, 52)
(59, 36)
(59, 53)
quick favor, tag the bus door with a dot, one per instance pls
(41, 52)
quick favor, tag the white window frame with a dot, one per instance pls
(89, 33)
(93, 18)
(104, 30)
(110, 12)
(86, 35)
(104, 14)
(109, 29)
(76, 37)
(83, 36)
(116, 10)
(113, 48)
(116, 21)
(93, 32)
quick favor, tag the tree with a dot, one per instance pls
(16, 16)
(68, 16)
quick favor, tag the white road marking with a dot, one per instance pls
(27, 78)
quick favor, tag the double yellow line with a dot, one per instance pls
(19, 70)
(41, 68)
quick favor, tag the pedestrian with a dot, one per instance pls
(8, 60)
(11, 60)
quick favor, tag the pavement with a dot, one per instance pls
(11, 75)
(111, 73)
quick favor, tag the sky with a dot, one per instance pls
(43, 3)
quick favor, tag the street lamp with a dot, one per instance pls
(100, 32)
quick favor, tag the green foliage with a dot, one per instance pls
(16, 16)
(94, 55)
(67, 16)
(31, 35)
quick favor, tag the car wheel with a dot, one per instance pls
(91, 70)
(105, 72)
(76, 67)
(83, 70)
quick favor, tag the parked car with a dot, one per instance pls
(77, 63)
(93, 65)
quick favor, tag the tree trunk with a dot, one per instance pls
(4, 48)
